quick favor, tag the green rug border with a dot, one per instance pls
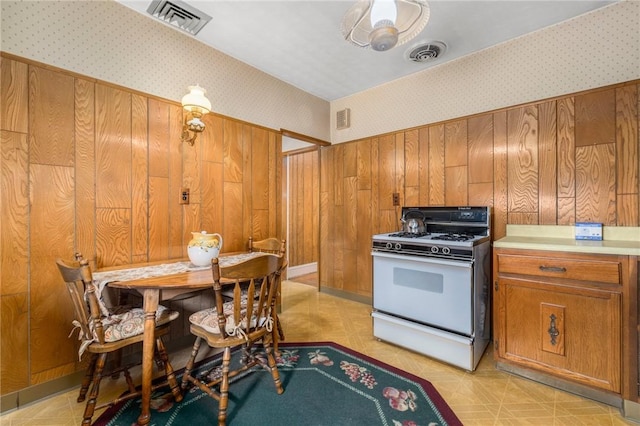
(436, 399)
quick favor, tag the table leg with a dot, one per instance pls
(150, 305)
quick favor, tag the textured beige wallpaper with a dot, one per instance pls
(110, 42)
(592, 50)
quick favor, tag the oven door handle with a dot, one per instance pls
(423, 259)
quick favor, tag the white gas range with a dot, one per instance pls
(431, 286)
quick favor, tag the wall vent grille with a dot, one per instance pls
(179, 14)
(343, 119)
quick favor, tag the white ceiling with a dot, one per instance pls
(300, 42)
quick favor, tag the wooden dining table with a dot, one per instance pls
(153, 290)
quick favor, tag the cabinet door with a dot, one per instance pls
(568, 331)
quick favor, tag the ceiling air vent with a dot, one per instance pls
(179, 15)
(426, 52)
(343, 119)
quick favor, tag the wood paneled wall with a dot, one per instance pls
(90, 167)
(554, 162)
(303, 198)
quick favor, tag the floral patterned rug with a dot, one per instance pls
(325, 384)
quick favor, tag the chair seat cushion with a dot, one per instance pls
(208, 320)
(131, 323)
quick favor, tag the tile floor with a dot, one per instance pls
(484, 397)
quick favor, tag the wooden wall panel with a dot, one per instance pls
(480, 140)
(456, 186)
(139, 180)
(547, 163)
(565, 160)
(412, 159)
(260, 193)
(247, 184)
(595, 118)
(363, 158)
(51, 235)
(363, 243)
(595, 184)
(14, 329)
(14, 92)
(423, 166)
(350, 160)
(158, 116)
(387, 167)
(51, 117)
(14, 213)
(176, 153)
(522, 161)
(455, 144)
(232, 151)
(232, 217)
(500, 184)
(375, 187)
(113, 237)
(85, 172)
(310, 247)
(627, 140)
(158, 218)
(113, 147)
(212, 210)
(436, 165)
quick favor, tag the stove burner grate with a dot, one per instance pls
(410, 234)
(454, 237)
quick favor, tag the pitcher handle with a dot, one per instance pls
(220, 240)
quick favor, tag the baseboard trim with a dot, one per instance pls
(36, 393)
(346, 295)
(298, 270)
(585, 391)
(631, 410)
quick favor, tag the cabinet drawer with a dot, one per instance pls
(603, 271)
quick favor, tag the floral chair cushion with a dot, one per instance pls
(121, 326)
(131, 323)
(208, 320)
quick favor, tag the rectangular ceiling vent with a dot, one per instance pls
(343, 119)
(179, 15)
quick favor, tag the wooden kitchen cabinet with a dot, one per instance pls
(561, 314)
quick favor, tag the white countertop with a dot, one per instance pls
(620, 240)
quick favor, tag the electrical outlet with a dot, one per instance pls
(396, 198)
(184, 196)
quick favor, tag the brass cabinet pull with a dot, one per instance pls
(552, 268)
(553, 330)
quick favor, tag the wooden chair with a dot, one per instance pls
(278, 247)
(241, 322)
(268, 245)
(103, 335)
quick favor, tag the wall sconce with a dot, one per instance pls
(195, 104)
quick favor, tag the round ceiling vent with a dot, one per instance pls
(426, 52)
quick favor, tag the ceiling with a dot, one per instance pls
(300, 42)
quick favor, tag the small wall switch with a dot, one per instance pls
(184, 196)
(396, 198)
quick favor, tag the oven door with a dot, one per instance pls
(436, 292)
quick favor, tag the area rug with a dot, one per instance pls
(325, 384)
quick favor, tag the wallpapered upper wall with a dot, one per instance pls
(110, 42)
(593, 50)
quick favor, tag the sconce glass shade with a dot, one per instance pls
(195, 101)
(195, 104)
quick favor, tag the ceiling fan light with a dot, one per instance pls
(367, 25)
(383, 10)
(383, 37)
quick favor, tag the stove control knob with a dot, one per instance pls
(446, 250)
(434, 249)
(388, 246)
(398, 246)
